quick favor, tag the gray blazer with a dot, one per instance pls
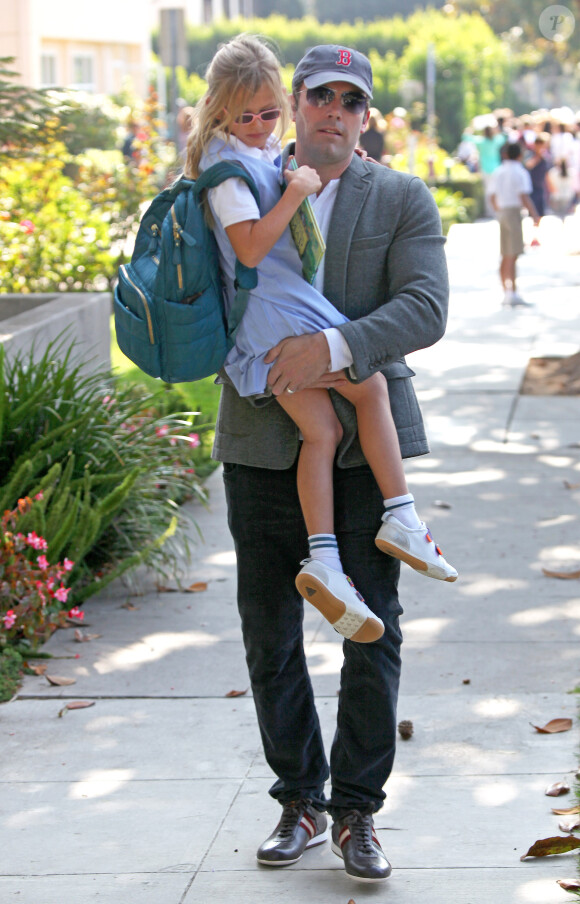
(385, 269)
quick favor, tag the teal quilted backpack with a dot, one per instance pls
(169, 306)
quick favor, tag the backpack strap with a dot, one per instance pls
(246, 277)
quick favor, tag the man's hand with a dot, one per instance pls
(300, 362)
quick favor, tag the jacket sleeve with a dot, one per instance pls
(397, 291)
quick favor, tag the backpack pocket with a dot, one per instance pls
(196, 342)
(134, 325)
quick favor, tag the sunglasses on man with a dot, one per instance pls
(352, 101)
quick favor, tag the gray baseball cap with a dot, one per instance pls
(333, 63)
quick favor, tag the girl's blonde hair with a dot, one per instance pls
(237, 72)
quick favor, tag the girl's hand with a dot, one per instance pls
(304, 180)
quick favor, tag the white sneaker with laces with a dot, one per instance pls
(335, 596)
(414, 546)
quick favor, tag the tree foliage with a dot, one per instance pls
(25, 113)
(472, 63)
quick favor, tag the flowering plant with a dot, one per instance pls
(33, 594)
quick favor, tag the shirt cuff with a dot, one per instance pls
(340, 353)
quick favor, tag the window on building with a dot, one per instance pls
(207, 11)
(83, 72)
(48, 70)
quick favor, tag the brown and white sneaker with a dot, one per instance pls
(300, 827)
(354, 839)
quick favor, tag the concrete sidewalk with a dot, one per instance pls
(157, 794)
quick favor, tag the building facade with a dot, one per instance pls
(91, 46)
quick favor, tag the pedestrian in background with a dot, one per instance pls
(510, 190)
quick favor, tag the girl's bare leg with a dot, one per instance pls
(378, 434)
(380, 444)
(325, 587)
(313, 413)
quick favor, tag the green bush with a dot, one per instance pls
(453, 207)
(11, 665)
(51, 237)
(109, 473)
(65, 220)
(86, 121)
(470, 186)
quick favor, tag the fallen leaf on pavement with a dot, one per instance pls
(569, 811)
(60, 682)
(568, 825)
(564, 575)
(556, 845)
(557, 788)
(130, 607)
(554, 726)
(197, 587)
(81, 637)
(237, 693)
(569, 884)
(76, 704)
(571, 486)
(38, 669)
(441, 504)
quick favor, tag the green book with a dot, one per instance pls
(307, 236)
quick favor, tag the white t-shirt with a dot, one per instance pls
(509, 181)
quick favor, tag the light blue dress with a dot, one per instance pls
(283, 303)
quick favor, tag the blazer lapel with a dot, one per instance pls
(355, 184)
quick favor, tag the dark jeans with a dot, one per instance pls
(270, 539)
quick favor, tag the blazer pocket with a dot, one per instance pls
(376, 241)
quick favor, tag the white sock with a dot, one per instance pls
(403, 508)
(324, 548)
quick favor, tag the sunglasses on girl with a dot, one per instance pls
(265, 116)
(352, 101)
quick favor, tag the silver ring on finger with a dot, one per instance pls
(290, 391)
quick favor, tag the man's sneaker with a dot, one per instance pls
(414, 546)
(300, 827)
(354, 839)
(335, 596)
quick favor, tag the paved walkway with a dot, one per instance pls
(157, 794)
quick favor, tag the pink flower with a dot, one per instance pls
(9, 619)
(172, 440)
(75, 612)
(162, 431)
(39, 496)
(49, 584)
(43, 562)
(28, 225)
(36, 542)
(194, 440)
(68, 565)
(61, 594)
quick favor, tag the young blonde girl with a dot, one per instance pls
(242, 116)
